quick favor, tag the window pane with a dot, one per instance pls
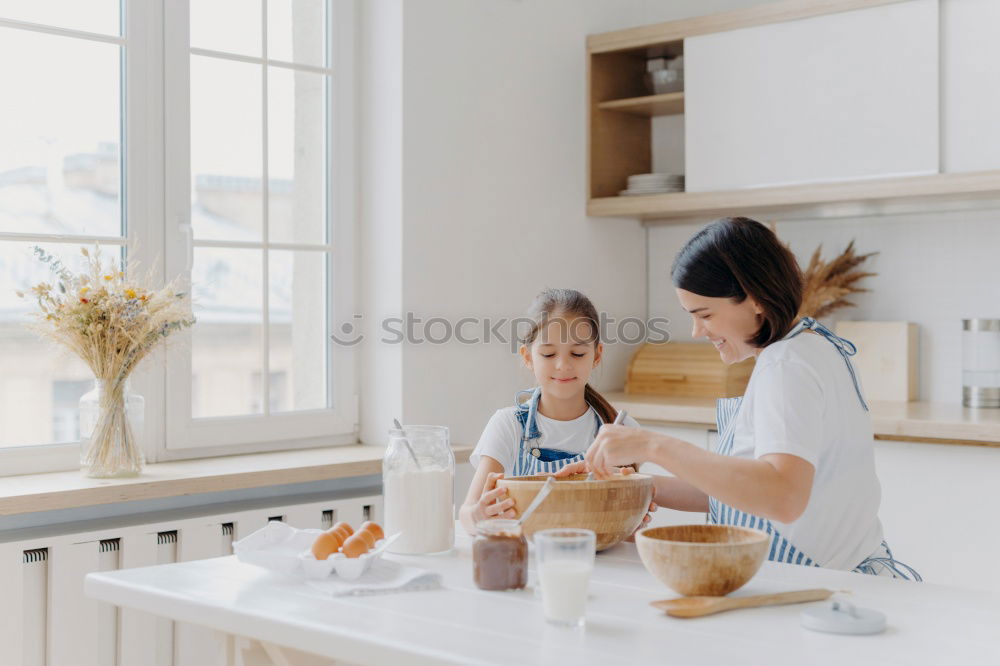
(226, 149)
(232, 26)
(297, 174)
(226, 341)
(296, 31)
(297, 298)
(41, 383)
(99, 16)
(60, 170)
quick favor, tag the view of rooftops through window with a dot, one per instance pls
(61, 174)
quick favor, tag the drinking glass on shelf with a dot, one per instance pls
(565, 560)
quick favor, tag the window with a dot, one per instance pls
(61, 186)
(214, 141)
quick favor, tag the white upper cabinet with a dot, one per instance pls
(970, 85)
(842, 96)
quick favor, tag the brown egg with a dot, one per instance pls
(342, 524)
(375, 529)
(339, 536)
(367, 536)
(341, 532)
(354, 546)
(325, 545)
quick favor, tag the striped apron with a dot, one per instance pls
(879, 563)
(533, 459)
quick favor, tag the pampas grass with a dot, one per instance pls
(112, 320)
(827, 285)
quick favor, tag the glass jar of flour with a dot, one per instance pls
(418, 476)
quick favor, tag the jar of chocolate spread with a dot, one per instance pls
(500, 555)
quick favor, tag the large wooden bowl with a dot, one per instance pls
(702, 560)
(612, 508)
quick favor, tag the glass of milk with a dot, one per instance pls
(418, 476)
(565, 560)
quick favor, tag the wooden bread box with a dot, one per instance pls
(685, 370)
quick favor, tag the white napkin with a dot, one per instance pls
(383, 577)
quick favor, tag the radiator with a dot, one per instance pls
(47, 620)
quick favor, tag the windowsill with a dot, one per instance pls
(66, 490)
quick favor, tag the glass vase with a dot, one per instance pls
(111, 423)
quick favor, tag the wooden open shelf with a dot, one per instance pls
(667, 104)
(881, 191)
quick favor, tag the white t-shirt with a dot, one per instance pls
(502, 436)
(801, 400)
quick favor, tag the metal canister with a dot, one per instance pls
(981, 362)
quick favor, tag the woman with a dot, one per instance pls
(796, 455)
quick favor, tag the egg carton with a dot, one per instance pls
(285, 549)
(348, 568)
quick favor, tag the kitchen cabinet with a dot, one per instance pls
(843, 96)
(938, 506)
(970, 85)
(697, 436)
(464, 471)
(801, 108)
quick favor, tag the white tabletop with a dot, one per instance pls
(460, 624)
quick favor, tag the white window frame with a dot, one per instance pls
(155, 98)
(135, 103)
(185, 436)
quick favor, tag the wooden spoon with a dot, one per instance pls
(699, 606)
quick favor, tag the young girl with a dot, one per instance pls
(796, 452)
(558, 420)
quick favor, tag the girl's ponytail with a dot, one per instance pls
(600, 404)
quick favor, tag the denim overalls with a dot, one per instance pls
(533, 459)
(880, 563)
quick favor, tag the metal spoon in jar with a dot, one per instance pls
(618, 421)
(539, 498)
(406, 442)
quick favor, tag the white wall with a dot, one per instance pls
(492, 192)
(933, 269)
(380, 159)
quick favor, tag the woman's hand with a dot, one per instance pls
(617, 445)
(493, 503)
(571, 469)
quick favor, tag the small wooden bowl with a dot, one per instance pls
(702, 560)
(612, 508)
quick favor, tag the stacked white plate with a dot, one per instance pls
(654, 183)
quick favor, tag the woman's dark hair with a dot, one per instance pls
(736, 257)
(569, 304)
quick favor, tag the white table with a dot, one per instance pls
(460, 624)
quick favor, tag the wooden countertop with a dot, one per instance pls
(64, 490)
(940, 423)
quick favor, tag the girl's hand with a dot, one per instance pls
(493, 503)
(616, 445)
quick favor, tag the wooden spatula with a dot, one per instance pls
(698, 606)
